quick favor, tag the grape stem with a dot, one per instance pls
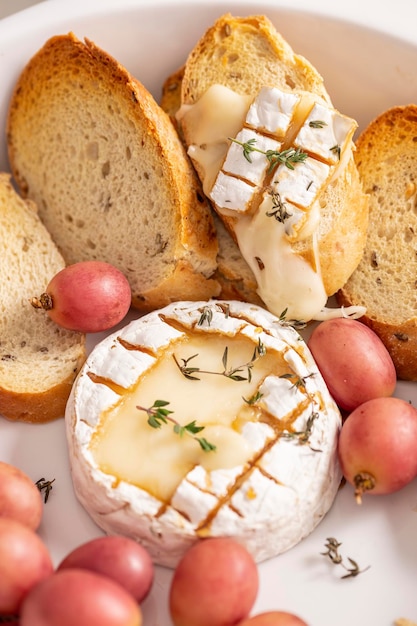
(363, 482)
(44, 302)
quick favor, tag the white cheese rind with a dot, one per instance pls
(254, 170)
(301, 185)
(325, 133)
(267, 504)
(272, 110)
(232, 193)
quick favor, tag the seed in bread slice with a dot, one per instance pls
(38, 360)
(385, 281)
(236, 59)
(103, 162)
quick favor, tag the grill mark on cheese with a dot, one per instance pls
(231, 495)
(204, 526)
(136, 347)
(102, 380)
(279, 426)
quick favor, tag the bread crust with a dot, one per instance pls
(89, 144)
(41, 407)
(385, 280)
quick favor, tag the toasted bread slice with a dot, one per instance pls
(385, 280)
(103, 162)
(38, 360)
(244, 55)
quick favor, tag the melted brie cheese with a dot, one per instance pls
(281, 274)
(158, 485)
(236, 176)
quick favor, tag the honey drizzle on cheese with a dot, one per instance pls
(125, 446)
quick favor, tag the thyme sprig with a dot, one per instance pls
(207, 312)
(287, 157)
(298, 381)
(239, 373)
(254, 398)
(45, 486)
(158, 415)
(297, 324)
(206, 316)
(303, 436)
(334, 555)
(279, 208)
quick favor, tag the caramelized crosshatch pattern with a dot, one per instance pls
(242, 413)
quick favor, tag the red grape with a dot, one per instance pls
(273, 618)
(214, 584)
(20, 499)
(353, 361)
(120, 558)
(24, 562)
(77, 597)
(377, 446)
(88, 297)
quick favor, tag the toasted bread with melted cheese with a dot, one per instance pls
(245, 54)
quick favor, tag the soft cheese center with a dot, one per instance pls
(205, 380)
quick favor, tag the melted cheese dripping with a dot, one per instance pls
(125, 446)
(286, 281)
(281, 274)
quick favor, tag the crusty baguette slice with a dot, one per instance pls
(38, 360)
(103, 162)
(245, 54)
(385, 281)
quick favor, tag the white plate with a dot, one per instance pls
(366, 71)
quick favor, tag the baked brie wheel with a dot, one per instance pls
(204, 419)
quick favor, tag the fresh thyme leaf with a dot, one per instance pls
(299, 324)
(206, 316)
(185, 370)
(317, 124)
(234, 373)
(336, 149)
(283, 315)
(303, 436)
(279, 208)
(206, 445)
(45, 486)
(158, 415)
(253, 399)
(224, 357)
(287, 157)
(193, 428)
(334, 555)
(299, 381)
